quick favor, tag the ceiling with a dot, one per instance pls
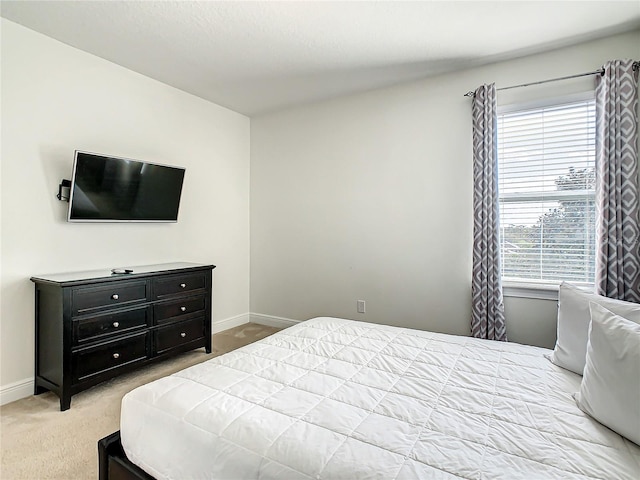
(257, 57)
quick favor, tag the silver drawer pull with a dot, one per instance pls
(116, 355)
(116, 324)
(183, 334)
(115, 296)
(183, 309)
(183, 285)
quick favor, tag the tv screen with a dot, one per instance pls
(113, 189)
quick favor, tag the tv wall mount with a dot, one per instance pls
(64, 187)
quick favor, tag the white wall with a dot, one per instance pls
(56, 99)
(368, 197)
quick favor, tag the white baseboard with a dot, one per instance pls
(16, 390)
(227, 323)
(271, 320)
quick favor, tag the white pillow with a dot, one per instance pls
(573, 324)
(610, 388)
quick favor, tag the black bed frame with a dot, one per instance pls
(113, 463)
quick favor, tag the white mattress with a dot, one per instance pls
(338, 399)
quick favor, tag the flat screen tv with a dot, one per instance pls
(114, 189)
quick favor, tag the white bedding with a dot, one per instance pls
(339, 399)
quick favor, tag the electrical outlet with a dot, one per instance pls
(361, 306)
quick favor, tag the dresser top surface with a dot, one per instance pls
(105, 274)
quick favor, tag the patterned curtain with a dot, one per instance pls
(487, 309)
(618, 236)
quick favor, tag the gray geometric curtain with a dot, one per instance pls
(487, 307)
(617, 192)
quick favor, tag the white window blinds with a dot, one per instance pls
(546, 165)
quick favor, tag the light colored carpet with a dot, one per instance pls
(40, 442)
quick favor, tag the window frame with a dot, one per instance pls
(531, 288)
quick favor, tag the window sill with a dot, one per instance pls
(542, 291)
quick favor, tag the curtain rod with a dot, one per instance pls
(600, 71)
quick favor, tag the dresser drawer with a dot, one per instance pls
(114, 294)
(92, 361)
(178, 284)
(178, 334)
(95, 328)
(164, 312)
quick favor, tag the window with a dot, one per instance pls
(546, 165)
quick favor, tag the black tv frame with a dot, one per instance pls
(71, 187)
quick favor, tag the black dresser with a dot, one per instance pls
(92, 326)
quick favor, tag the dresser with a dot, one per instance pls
(92, 326)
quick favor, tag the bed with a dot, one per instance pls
(337, 399)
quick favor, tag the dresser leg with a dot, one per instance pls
(65, 402)
(39, 389)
